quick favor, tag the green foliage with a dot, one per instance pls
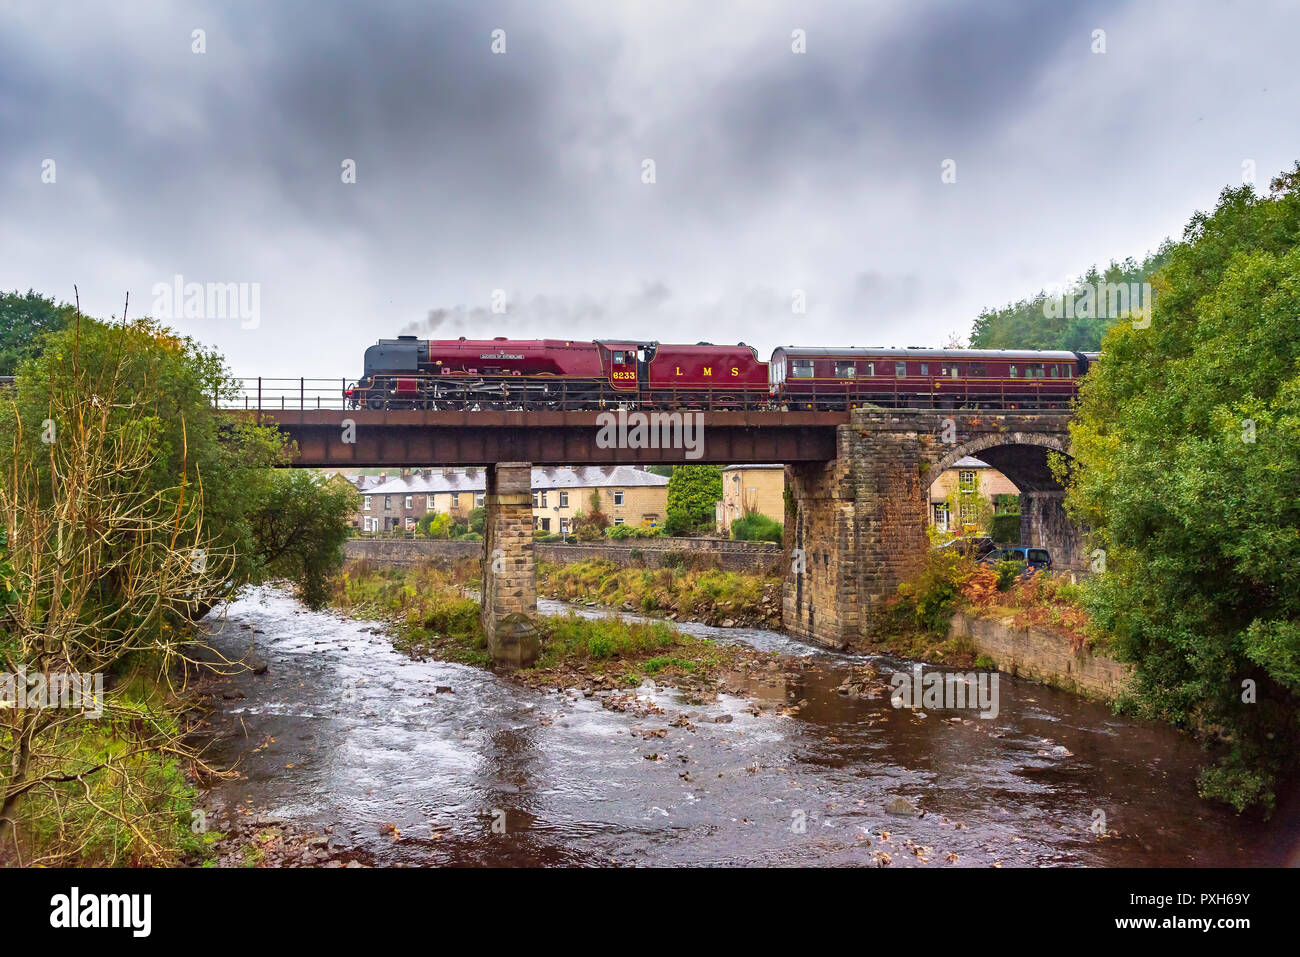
(300, 528)
(1008, 572)
(757, 528)
(693, 493)
(476, 519)
(24, 321)
(437, 525)
(597, 639)
(1005, 528)
(1188, 442)
(1023, 325)
(928, 601)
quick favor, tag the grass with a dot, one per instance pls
(433, 616)
(138, 811)
(712, 595)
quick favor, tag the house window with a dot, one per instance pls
(618, 498)
(619, 521)
(410, 499)
(478, 499)
(967, 479)
(536, 500)
(564, 500)
(846, 370)
(455, 499)
(969, 514)
(388, 503)
(410, 523)
(366, 498)
(900, 370)
(543, 500)
(546, 524)
(941, 515)
(801, 369)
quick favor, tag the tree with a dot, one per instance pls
(104, 565)
(300, 528)
(169, 383)
(693, 493)
(1188, 451)
(1027, 325)
(24, 321)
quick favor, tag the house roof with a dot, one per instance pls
(560, 477)
(970, 462)
(739, 468)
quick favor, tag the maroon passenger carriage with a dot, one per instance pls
(814, 377)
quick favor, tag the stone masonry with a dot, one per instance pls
(509, 612)
(856, 526)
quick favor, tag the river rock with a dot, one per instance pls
(902, 807)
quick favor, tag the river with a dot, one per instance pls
(430, 763)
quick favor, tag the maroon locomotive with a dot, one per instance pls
(501, 373)
(557, 373)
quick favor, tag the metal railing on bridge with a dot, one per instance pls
(515, 393)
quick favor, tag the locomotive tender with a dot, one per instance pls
(501, 373)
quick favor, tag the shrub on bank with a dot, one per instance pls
(757, 528)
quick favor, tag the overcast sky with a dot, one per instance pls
(522, 171)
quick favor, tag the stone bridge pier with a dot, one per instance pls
(509, 611)
(856, 525)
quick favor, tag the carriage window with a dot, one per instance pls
(1069, 372)
(801, 368)
(925, 368)
(900, 370)
(978, 370)
(845, 370)
(1012, 373)
(1034, 371)
(1056, 372)
(871, 368)
(620, 358)
(950, 371)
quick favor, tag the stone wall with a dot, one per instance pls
(403, 552)
(750, 557)
(1042, 656)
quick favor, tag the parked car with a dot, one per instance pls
(976, 546)
(1033, 556)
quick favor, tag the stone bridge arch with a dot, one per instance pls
(856, 526)
(1024, 458)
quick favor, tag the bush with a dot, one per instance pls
(1005, 528)
(757, 528)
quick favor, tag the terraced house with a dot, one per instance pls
(627, 494)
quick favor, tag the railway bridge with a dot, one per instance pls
(856, 503)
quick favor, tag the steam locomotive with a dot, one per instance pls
(501, 373)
